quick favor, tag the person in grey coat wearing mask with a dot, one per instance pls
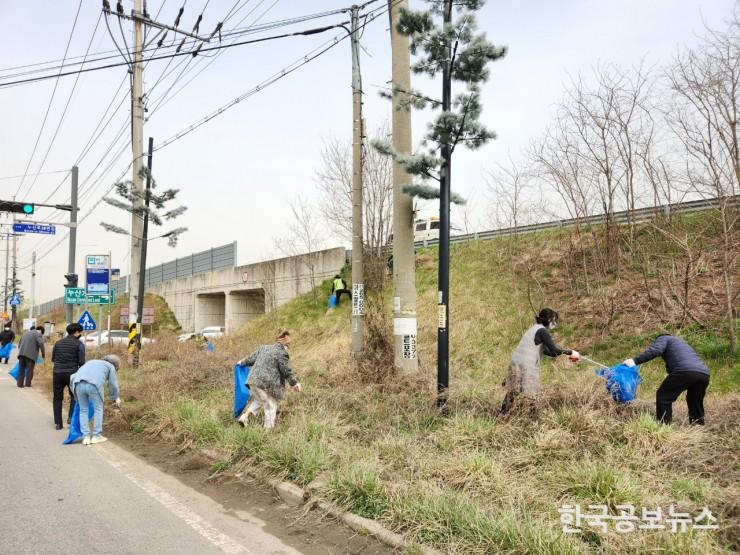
(269, 370)
(32, 342)
(523, 377)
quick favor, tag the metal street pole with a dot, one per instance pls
(137, 145)
(68, 309)
(142, 261)
(358, 287)
(33, 284)
(443, 309)
(7, 272)
(14, 310)
(404, 263)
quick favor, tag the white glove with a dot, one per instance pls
(575, 356)
(297, 387)
(629, 362)
(118, 402)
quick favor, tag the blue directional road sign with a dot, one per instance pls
(87, 322)
(14, 300)
(35, 228)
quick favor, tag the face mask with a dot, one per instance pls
(553, 325)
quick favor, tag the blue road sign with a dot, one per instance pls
(14, 300)
(98, 274)
(35, 228)
(87, 322)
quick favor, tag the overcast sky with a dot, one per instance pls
(238, 172)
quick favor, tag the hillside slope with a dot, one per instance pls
(472, 482)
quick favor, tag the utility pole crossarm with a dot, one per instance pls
(139, 19)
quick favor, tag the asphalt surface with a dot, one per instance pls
(58, 498)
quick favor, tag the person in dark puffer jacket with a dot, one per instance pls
(67, 355)
(686, 372)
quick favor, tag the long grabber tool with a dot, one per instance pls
(594, 362)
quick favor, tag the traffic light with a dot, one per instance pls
(71, 280)
(20, 207)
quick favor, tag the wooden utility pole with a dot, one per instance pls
(404, 269)
(358, 287)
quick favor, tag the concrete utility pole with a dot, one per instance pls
(358, 287)
(68, 314)
(7, 276)
(14, 310)
(33, 284)
(404, 269)
(137, 145)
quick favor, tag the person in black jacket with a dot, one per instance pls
(68, 355)
(686, 372)
(7, 336)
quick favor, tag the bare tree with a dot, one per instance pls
(705, 82)
(305, 237)
(334, 181)
(506, 186)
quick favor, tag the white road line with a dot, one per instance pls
(195, 521)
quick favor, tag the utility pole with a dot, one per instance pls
(142, 260)
(443, 308)
(33, 284)
(404, 269)
(358, 287)
(137, 145)
(15, 279)
(7, 276)
(72, 238)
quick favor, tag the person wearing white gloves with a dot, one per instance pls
(88, 384)
(686, 372)
(268, 373)
(523, 377)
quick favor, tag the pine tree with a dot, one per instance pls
(154, 206)
(461, 125)
(456, 50)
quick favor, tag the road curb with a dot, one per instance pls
(295, 496)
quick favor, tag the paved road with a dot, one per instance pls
(101, 499)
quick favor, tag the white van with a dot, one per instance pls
(424, 230)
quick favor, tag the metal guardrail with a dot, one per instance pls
(196, 263)
(638, 215)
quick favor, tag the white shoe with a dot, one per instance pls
(98, 439)
(86, 440)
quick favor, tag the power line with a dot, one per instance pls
(227, 34)
(61, 119)
(42, 173)
(266, 83)
(51, 100)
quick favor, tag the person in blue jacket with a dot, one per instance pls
(686, 372)
(88, 384)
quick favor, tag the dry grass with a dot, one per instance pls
(472, 482)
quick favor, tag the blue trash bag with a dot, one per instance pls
(14, 372)
(241, 390)
(210, 347)
(74, 427)
(6, 350)
(621, 382)
(39, 360)
(332, 301)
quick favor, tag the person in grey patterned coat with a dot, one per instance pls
(268, 373)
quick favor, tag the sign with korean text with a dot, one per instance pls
(97, 270)
(74, 295)
(35, 228)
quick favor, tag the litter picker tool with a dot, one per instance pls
(594, 362)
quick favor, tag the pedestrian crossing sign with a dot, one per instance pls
(87, 322)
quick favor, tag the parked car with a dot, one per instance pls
(118, 337)
(209, 332)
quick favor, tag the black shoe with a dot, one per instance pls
(59, 426)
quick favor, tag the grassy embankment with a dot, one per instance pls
(472, 482)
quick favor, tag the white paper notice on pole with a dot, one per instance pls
(396, 305)
(409, 346)
(358, 299)
(404, 326)
(442, 316)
